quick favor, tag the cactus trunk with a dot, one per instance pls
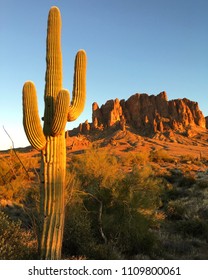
(52, 197)
(50, 139)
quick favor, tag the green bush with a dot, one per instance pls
(97, 168)
(187, 181)
(176, 209)
(130, 215)
(193, 227)
(12, 246)
(105, 252)
(114, 210)
(77, 231)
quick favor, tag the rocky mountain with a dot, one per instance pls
(148, 114)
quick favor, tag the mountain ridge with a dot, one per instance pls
(147, 115)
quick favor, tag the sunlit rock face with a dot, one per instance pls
(148, 114)
(206, 122)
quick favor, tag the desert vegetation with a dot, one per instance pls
(118, 206)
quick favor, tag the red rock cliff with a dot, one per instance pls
(149, 112)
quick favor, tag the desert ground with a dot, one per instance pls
(176, 163)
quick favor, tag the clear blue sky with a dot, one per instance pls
(143, 46)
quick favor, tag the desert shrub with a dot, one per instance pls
(15, 190)
(202, 184)
(176, 210)
(182, 185)
(6, 174)
(105, 252)
(97, 166)
(193, 227)
(14, 165)
(72, 188)
(80, 239)
(141, 157)
(203, 209)
(15, 177)
(128, 230)
(130, 215)
(161, 155)
(14, 243)
(187, 181)
(175, 246)
(131, 159)
(78, 236)
(172, 193)
(118, 209)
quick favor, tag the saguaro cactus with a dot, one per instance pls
(50, 139)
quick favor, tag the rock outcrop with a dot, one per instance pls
(206, 118)
(148, 114)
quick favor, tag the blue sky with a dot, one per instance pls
(143, 46)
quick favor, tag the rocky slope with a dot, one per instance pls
(206, 122)
(148, 114)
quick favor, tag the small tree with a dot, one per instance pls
(121, 205)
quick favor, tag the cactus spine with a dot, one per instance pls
(50, 139)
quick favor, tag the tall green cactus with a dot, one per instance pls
(51, 139)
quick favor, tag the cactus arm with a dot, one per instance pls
(31, 120)
(60, 114)
(79, 87)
